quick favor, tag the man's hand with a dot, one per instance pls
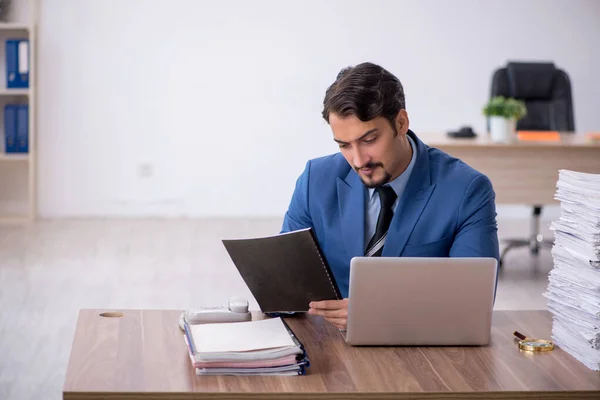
(334, 311)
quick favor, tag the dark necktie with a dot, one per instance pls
(387, 196)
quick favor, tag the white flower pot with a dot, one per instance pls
(503, 130)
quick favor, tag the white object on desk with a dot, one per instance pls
(235, 311)
(503, 130)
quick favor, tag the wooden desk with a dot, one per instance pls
(523, 172)
(142, 355)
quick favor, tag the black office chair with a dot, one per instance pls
(546, 91)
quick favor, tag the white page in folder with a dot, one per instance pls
(241, 336)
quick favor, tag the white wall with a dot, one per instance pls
(219, 102)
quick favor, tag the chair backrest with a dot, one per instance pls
(546, 91)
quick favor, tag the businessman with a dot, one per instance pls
(386, 193)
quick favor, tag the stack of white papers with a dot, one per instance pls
(574, 283)
(262, 347)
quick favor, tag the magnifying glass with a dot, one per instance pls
(530, 344)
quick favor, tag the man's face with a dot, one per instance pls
(374, 149)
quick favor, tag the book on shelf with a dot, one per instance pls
(17, 63)
(16, 128)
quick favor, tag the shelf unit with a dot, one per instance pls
(13, 92)
(18, 170)
(14, 157)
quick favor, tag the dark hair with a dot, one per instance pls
(365, 90)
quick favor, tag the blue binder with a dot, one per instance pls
(22, 128)
(10, 128)
(17, 63)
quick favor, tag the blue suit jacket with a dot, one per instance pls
(447, 210)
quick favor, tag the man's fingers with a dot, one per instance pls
(326, 305)
(333, 311)
(339, 313)
(329, 304)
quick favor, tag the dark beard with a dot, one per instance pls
(386, 177)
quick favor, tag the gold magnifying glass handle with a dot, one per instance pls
(520, 335)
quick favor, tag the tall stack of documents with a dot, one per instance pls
(260, 347)
(574, 283)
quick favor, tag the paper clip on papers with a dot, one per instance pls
(529, 344)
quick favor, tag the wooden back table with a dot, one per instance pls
(142, 355)
(523, 172)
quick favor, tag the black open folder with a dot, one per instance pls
(284, 272)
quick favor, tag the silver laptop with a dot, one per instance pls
(403, 301)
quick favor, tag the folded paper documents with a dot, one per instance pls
(574, 283)
(259, 347)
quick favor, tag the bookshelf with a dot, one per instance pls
(13, 92)
(18, 170)
(14, 157)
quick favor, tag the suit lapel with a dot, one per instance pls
(351, 195)
(412, 203)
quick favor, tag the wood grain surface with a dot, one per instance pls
(142, 355)
(522, 172)
(51, 269)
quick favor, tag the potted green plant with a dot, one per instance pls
(503, 113)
